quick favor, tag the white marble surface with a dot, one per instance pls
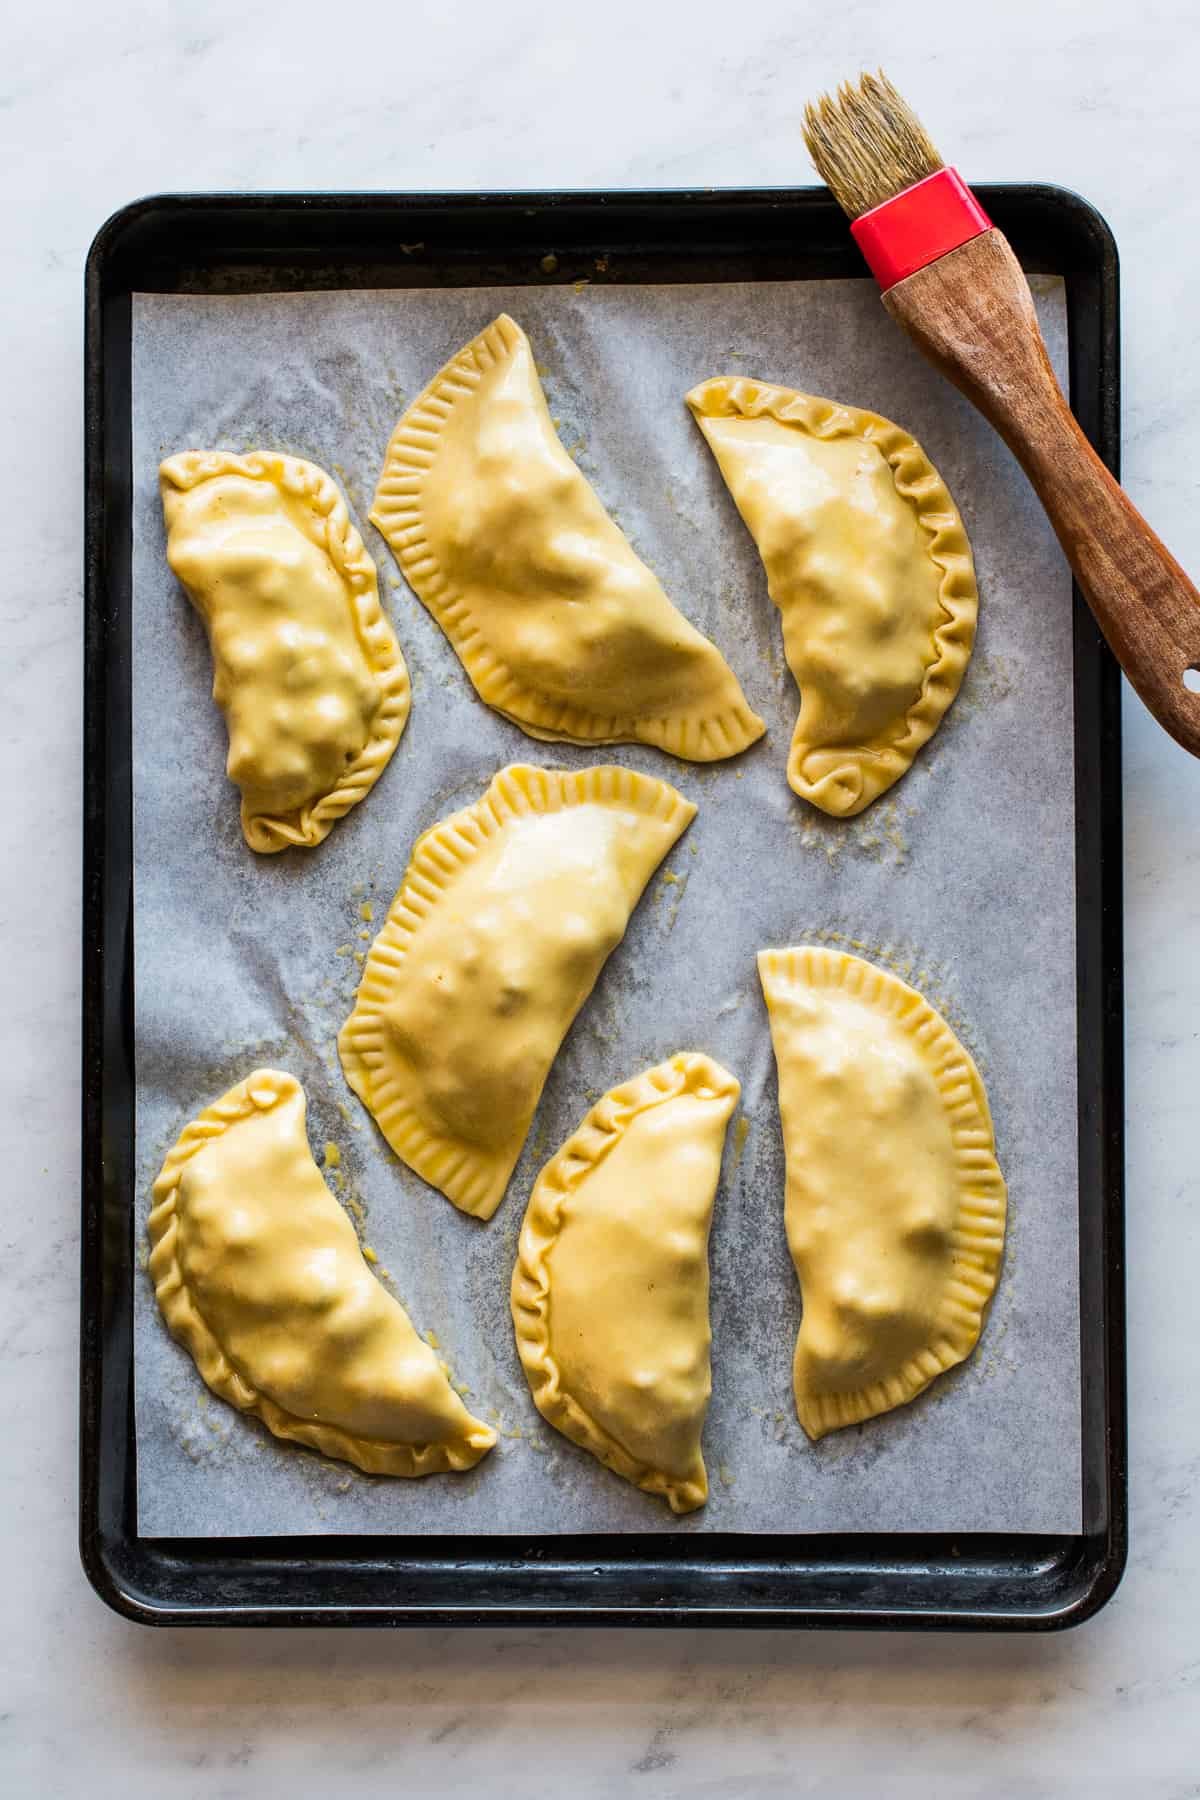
(100, 105)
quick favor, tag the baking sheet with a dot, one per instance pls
(961, 878)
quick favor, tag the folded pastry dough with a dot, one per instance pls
(506, 915)
(558, 623)
(306, 668)
(869, 565)
(610, 1291)
(259, 1275)
(895, 1202)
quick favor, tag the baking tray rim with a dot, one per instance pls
(922, 1581)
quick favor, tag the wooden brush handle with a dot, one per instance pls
(972, 314)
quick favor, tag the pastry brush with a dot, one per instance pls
(952, 281)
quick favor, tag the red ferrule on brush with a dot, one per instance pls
(917, 226)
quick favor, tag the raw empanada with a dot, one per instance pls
(561, 627)
(259, 1275)
(610, 1291)
(306, 667)
(506, 915)
(869, 565)
(895, 1202)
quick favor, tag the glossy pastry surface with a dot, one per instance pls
(306, 667)
(868, 562)
(895, 1204)
(559, 624)
(610, 1291)
(507, 913)
(258, 1273)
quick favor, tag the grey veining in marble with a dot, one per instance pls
(101, 106)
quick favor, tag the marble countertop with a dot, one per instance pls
(135, 97)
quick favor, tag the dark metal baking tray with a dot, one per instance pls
(284, 242)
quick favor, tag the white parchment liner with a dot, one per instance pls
(962, 878)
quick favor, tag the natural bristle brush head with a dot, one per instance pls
(867, 144)
(906, 207)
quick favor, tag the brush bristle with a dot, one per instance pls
(867, 144)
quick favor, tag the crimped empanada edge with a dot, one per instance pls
(311, 823)
(978, 1238)
(473, 1182)
(261, 1092)
(584, 1150)
(883, 760)
(396, 511)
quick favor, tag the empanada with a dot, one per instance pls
(506, 915)
(869, 565)
(610, 1291)
(895, 1202)
(560, 626)
(306, 667)
(259, 1275)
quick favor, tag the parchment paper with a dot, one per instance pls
(961, 878)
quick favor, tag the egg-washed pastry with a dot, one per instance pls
(868, 562)
(259, 1275)
(895, 1202)
(559, 624)
(610, 1290)
(507, 913)
(306, 667)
